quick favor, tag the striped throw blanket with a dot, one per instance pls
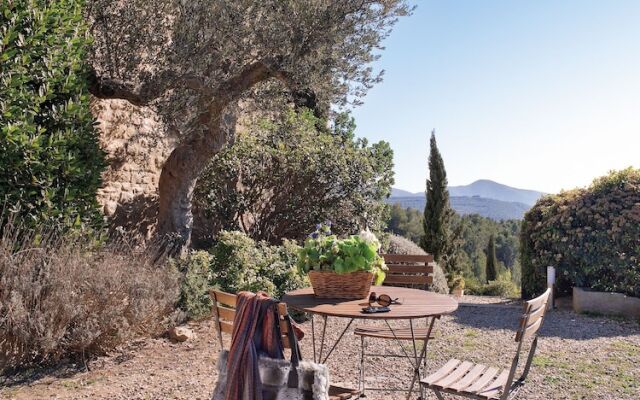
(255, 332)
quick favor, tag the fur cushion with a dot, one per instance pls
(313, 379)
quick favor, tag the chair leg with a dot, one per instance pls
(361, 385)
(438, 394)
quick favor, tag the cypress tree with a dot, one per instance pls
(492, 261)
(438, 238)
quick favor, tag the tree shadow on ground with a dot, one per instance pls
(67, 368)
(558, 323)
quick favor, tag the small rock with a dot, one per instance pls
(181, 333)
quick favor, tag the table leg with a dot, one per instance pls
(313, 338)
(319, 358)
(324, 331)
(337, 340)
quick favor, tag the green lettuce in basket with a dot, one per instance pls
(323, 251)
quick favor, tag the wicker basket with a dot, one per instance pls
(328, 284)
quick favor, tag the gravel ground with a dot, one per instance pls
(579, 357)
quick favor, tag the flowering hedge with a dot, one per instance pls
(592, 237)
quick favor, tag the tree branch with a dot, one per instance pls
(144, 94)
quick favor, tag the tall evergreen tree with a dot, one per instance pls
(439, 238)
(492, 260)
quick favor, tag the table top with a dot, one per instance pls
(416, 303)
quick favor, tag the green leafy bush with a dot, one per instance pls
(194, 289)
(240, 263)
(590, 235)
(503, 286)
(323, 251)
(50, 160)
(284, 175)
(236, 263)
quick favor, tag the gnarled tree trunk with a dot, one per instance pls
(179, 177)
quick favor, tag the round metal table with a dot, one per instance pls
(415, 304)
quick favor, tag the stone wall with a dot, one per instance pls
(137, 145)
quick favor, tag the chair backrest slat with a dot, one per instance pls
(393, 279)
(408, 258)
(227, 314)
(225, 327)
(223, 297)
(411, 270)
(531, 319)
(531, 329)
(224, 314)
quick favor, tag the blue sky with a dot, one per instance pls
(540, 94)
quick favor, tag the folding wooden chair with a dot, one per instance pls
(476, 381)
(224, 312)
(413, 271)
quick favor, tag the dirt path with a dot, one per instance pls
(579, 357)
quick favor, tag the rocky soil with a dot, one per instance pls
(579, 357)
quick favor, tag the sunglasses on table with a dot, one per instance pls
(384, 300)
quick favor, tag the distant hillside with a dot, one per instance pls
(497, 191)
(404, 193)
(484, 188)
(490, 208)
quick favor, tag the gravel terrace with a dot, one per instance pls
(579, 357)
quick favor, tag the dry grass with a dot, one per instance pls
(66, 296)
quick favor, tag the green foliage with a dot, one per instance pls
(284, 175)
(236, 263)
(590, 235)
(475, 231)
(194, 290)
(492, 261)
(458, 282)
(406, 222)
(503, 286)
(240, 263)
(323, 251)
(50, 160)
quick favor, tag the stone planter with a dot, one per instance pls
(458, 292)
(590, 301)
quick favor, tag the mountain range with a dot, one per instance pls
(484, 197)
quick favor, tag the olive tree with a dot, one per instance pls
(197, 60)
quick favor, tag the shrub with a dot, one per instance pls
(503, 286)
(50, 160)
(473, 286)
(194, 289)
(285, 175)
(399, 245)
(66, 296)
(240, 263)
(590, 235)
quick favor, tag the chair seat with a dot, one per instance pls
(386, 333)
(467, 378)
